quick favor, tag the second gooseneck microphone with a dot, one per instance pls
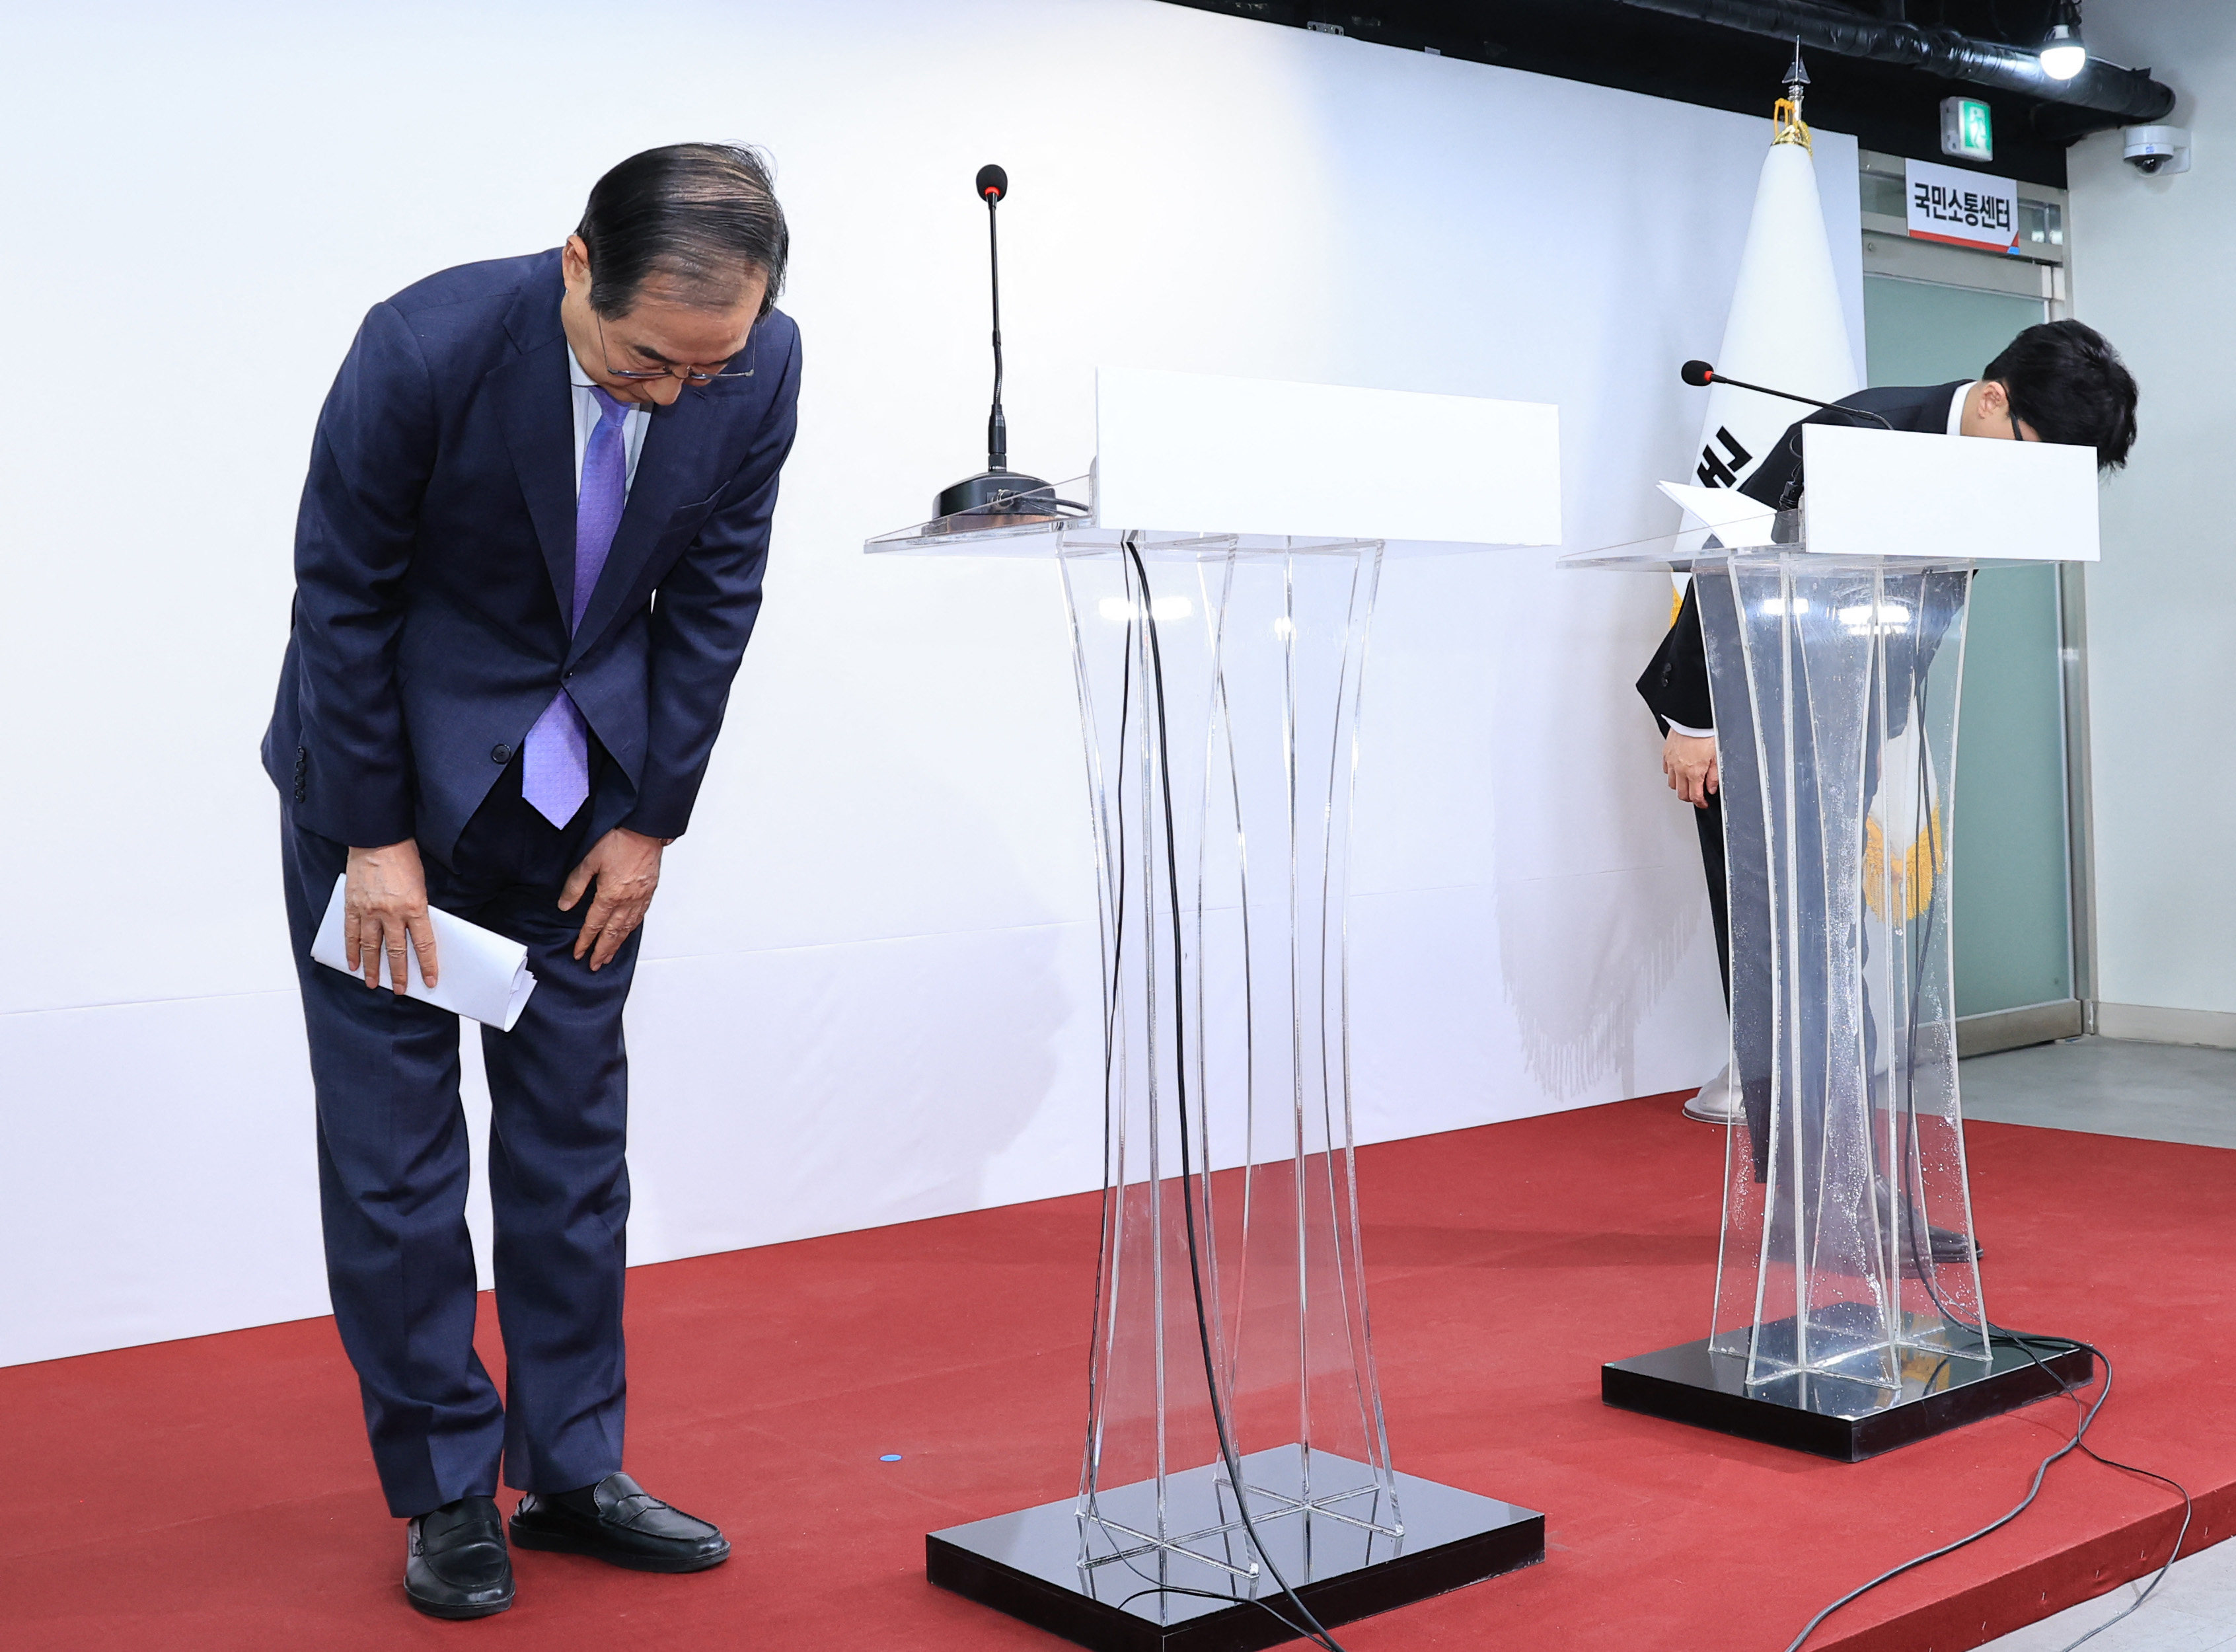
(1700, 375)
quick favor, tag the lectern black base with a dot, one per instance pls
(1833, 1416)
(1028, 1564)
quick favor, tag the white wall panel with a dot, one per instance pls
(870, 977)
(161, 1175)
(2153, 261)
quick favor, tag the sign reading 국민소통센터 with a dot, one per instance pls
(1965, 209)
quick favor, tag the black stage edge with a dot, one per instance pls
(1027, 1563)
(1833, 1416)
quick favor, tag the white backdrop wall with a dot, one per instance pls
(2153, 261)
(869, 982)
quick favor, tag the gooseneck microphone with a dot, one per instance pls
(993, 184)
(999, 494)
(1700, 375)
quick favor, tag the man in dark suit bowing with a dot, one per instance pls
(528, 561)
(2058, 382)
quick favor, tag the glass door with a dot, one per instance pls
(2012, 917)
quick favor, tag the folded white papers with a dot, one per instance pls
(1740, 524)
(484, 976)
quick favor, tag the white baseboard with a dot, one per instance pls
(2032, 1023)
(2149, 1024)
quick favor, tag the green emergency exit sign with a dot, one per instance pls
(1968, 131)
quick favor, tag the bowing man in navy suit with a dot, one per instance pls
(2059, 381)
(528, 561)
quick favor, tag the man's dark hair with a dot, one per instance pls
(2068, 382)
(694, 214)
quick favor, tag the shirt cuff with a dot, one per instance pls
(1676, 727)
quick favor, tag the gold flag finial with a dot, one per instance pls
(1786, 114)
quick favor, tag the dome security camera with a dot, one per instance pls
(2155, 151)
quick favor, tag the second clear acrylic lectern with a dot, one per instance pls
(1849, 1316)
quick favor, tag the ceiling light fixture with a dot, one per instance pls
(2064, 54)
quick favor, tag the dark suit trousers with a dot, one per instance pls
(393, 1172)
(1754, 1089)
(1709, 822)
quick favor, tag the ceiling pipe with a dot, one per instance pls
(2100, 96)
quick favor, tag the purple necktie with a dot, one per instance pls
(554, 774)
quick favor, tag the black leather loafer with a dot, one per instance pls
(455, 1563)
(620, 1523)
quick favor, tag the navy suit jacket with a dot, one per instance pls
(1675, 682)
(435, 567)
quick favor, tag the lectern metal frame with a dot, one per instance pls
(1220, 678)
(1849, 1315)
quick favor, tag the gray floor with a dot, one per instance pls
(2162, 1093)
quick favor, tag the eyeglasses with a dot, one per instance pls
(689, 373)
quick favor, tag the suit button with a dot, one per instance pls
(500, 753)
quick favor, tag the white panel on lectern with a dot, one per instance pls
(1904, 493)
(1183, 451)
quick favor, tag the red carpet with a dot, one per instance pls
(217, 1493)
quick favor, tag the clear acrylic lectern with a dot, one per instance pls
(1220, 678)
(1849, 1316)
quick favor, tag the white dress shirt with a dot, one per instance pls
(1955, 428)
(1956, 407)
(587, 413)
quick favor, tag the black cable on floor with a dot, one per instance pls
(2188, 1508)
(1110, 1020)
(1227, 1453)
(2079, 1442)
(2023, 1341)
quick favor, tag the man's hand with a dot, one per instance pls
(1690, 763)
(626, 866)
(384, 911)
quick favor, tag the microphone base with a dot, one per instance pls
(1002, 498)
